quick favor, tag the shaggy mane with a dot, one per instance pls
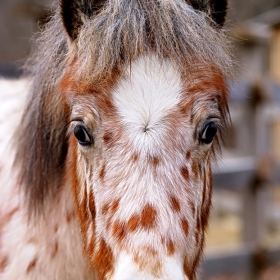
(122, 31)
(125, 30)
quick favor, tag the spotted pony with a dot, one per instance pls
(106, 160)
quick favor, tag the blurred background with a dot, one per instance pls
(243, 240)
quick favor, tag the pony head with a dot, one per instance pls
(130, 101)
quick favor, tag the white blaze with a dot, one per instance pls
(149, 91)
(145, 97)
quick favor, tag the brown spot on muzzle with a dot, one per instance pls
(115, 206)
(188, 155)
(119, 231)
(185, 226)
(185, 172)
(31, 265)
(133, 223)
(134, 157)
(153, 160)
(148, 217)
(105, 208)
(175, 204)
(170, 247)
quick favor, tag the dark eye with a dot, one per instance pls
(82, 135)
(208, 132)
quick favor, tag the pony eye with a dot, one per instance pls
(82, 135)
(208, 132)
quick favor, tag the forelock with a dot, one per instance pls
(125, 30)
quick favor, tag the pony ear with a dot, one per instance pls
(216, 9)
(74, 12)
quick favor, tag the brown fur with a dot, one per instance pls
(153, 160)
(175, 204)
(107, 137)
(185, 172)
(148, 217)
(119, 231)
(185, 226)
(115, 205)
(103, 260)
(4, 261)
(195, 169)
(105, 208)
(102, 172)
(133, 223)
(170, 248)
(135, 157)
(31, 265)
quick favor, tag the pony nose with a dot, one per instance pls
(127, 269)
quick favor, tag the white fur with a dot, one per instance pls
(12, 96)
(127, 270)
(20, 241)
(151, 89)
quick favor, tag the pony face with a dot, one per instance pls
(141, 150)
(127, 103)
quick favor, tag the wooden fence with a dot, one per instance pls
(252, 173)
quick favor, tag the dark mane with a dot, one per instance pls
(120, 33)
(41, 137)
